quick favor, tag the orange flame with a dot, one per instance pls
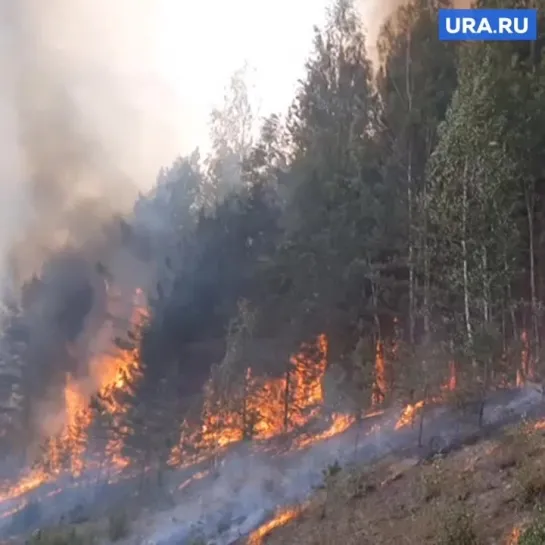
(409, 414)
(196, 477)
(341, 422)
(269, 406)
(514, 536)
(282, 517)
(379, 389)
(452, 377)
(110, 372)
(78, 419)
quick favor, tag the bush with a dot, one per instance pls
(530, 480)
(534, 534)
(459, 529)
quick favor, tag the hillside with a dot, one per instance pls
(485, 493)
(466, 485)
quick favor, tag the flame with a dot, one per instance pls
(409, 414)
(379, 389)
(341, 422)
(540, 425)
(196, 477)
(295, 398)
(452, 377)
(514, 536)
(27, 483)
(272, 405)
(282, 517)
(78, 419)
(117, 372)
(111, 373)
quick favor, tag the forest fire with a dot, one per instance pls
(452, 377)
(268, 407)
(408, 415)
(379, 389)
(281, 518)
(26, 484)
(78, 419)
(111, 372)
(196, 477)
(340, 423)
(514, 536)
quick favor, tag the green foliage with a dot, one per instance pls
(535, 533)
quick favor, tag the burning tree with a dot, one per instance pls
(227, 415)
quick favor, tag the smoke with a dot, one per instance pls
(82, 127)
(374, 14)
(248, 487)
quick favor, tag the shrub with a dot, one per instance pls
(530, 480)
(459, 529)
(534, 535)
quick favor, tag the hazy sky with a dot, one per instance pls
(198, 45)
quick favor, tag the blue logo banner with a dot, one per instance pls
(488, 24)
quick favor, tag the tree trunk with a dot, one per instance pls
(529, 197)
(412, 304)
(510, 301)
(287, 398)
(486, 287)
(469, 330)
(422, 412)
(378, 393)
(426, 294)
(408, 91)
(483, 392)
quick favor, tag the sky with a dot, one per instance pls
(141, 77)
(199, 45)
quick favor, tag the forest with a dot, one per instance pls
(395, 213)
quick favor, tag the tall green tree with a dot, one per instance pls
(332, 214)
(416, 79)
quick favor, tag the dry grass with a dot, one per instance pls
(476, 496)
(480, 495)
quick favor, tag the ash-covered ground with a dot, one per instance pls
(222, 502)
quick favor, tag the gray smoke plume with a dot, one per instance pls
(82, 121)
(83, 128)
